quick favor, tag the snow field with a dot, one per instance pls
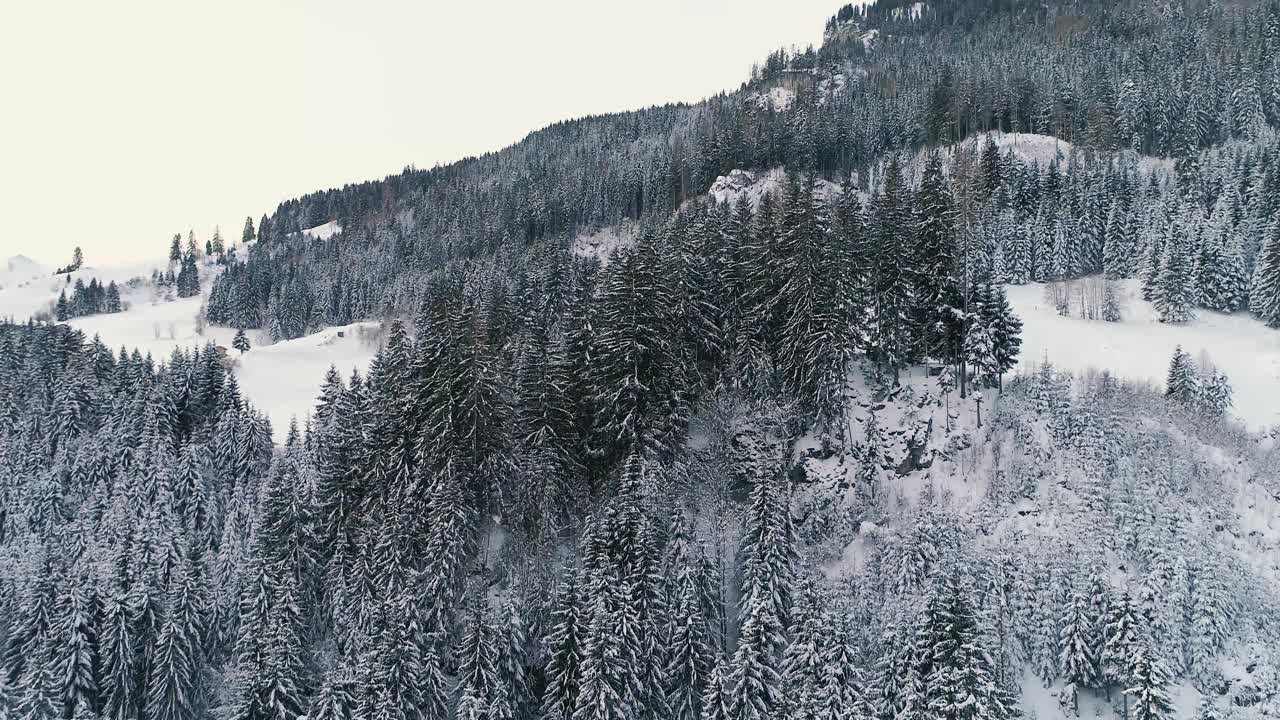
(1139, 347)
(281, 380)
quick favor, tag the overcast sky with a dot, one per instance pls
(125, 122)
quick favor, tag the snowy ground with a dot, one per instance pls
(1042, 150)
(28, 288)
(1139, 348)
(325, 231)
(20, 271)
(281, 380)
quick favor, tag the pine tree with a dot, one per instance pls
(1112, 305)
(959, 673)
(113, 303)
(872, 456)
(1220, 272)
(336, 698)
(1175, 289)
(1077, 643)
(566, 646)
(691, 656)
(40, 701)
(240, 341)
(77, 666)
(1182, 384)
(715, 701)
(934, 280)
(175, 251)
(120, 661)
(842, 687)
(1149, 685)
(890, 297)
(803, 668)
(1215, 394)
(175, 672)
(1121, 637)
(1264, 294)
(755, 682)
(603, 689)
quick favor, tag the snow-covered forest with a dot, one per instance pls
(700, 412)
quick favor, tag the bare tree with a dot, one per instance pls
(1090, 294)
(1058, 294)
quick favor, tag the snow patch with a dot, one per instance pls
(281, 380)
(39, 293)
(1042, 150)
(325, 231)
(604, 242)
(20, 270)
(911, 13)
(829, 86)
(753, 185)
(778, 98)
(1139, 347)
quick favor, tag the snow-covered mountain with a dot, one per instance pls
(588, 430)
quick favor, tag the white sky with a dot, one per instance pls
(124, 122)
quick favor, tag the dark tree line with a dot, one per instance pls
(88, 299)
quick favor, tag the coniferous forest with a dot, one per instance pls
(739, 469)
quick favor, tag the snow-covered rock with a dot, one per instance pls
(778, 97)
(603, 242)
(753, 185)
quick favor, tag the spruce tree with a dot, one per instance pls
(1182, 384)
(1077, 643)
(1175, 290)
(933, 273)
(1264, 293)
(1149, 686)
(566, 647)
(890, 298)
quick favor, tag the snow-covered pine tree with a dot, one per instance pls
(715, 700)
(691, 656)
(335, 700)
(1264, 292)
(933, 278)
(1175, 293)
(803, 661)
(566, 647)
(1182, 383)
(1220, 272)
(891, 294)
(1121, 637)
(1148, 686)
(1215, 396)
(1079, 655)
(77, 663)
